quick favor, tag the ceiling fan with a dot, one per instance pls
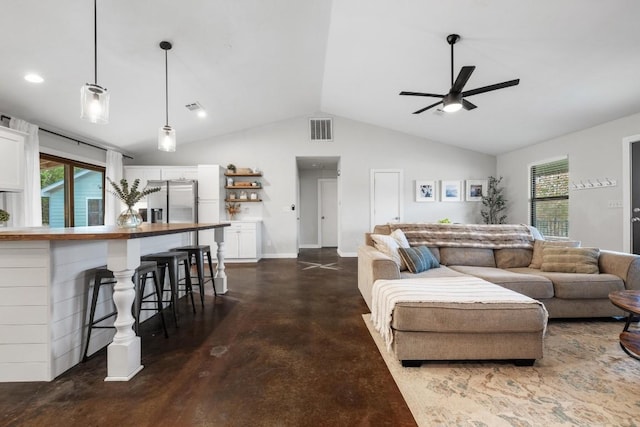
(455, 99)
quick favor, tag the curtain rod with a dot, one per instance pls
(3, 117)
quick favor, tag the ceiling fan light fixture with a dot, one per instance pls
(94, 99)
(452, 103)
(166, 134)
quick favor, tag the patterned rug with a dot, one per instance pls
(584, 379)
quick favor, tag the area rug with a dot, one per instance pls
(584, 379)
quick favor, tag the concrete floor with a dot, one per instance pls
(286, 346)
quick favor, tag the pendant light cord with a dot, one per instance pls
(95, 41)
(452, 64)
(166, 87)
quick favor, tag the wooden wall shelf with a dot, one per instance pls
(242, 200)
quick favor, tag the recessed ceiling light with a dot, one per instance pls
(202, 114)
(33, 78)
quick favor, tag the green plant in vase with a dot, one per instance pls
(494, 203)
(4, 216)
(129, 218)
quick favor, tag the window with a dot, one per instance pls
(550, 198)
(72, 192)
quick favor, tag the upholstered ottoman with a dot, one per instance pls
(457, 318)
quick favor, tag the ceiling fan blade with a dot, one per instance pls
(462, 79)
(467, 105)
(433, 95)
(491, 87)
(426, 108)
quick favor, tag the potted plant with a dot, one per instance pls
(494, 203)
(232, 209)
(129, 218)
(4, 217)
(231, 168)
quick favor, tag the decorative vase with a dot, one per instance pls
(129, 218)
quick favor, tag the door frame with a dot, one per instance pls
(372, 193)
(626, 191)
(320, 181)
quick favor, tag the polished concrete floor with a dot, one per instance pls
(286, 346)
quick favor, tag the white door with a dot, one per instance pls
(328, 212)
(386, 196)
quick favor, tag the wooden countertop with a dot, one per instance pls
(101, 232)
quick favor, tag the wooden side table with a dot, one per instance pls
(629, 301)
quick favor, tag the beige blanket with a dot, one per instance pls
(492, 236)
(387, 293)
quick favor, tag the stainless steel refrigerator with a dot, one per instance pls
(176, 202)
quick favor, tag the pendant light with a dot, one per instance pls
(94, 99)
(166, 134)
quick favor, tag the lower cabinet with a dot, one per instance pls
(242, 241)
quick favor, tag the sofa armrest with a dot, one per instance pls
(626, 266)
(374, 265)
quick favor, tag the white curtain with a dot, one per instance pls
(111, 203)
(27, 205)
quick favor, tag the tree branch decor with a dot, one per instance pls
(494, 203)
(130, 195)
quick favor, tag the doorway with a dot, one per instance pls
(318, 196)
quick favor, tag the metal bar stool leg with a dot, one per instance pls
(156, 284)
(187, 279)
(199, 255)
(92, 314)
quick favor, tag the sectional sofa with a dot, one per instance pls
(570, 282)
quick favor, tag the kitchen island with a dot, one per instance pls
(45, 276)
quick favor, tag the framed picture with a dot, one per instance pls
(476, 188)
(451, 191)
(425, 191)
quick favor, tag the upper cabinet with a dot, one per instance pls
(143, 173)
(179, 172)
(11, 160)
(209, 177)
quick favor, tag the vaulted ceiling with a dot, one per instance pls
(254, 62)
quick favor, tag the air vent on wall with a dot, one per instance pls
(321, 130)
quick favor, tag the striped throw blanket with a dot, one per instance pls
(387, 293)
(491, 236)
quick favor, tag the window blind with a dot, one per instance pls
(550, 198)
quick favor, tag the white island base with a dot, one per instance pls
(45, 294)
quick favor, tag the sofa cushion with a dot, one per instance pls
(434, 272)
(570, 260)
(539, 245)
(481, 257)
(531, 285)
(584, 286)
(513, 257)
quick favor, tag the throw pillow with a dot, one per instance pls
(418, 258)
(539, 245)
(570, 260)
(387, 245)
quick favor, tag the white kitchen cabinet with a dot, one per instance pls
(143, 173)
(243, 241)
(178, 172)
(209, 178)
(11, 160)
(208, 213)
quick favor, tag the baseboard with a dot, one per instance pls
(283, 255)
(310, 246)
(347, 254)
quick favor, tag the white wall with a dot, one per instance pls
(273, 149)
(593, 153)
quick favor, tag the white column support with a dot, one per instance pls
(123, 354)
(220, 281)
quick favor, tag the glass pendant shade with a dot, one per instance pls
(167, 139)
(94, 102)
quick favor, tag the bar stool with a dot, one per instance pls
(198, 252)
(171, 261)
(139, 279)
